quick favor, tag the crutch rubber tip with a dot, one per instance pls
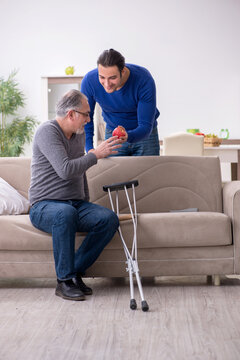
(133, 304)
(145, 306)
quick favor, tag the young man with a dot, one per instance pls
(59, 193)
(127, 96)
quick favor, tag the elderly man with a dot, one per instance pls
(127, 96)
(59, 193)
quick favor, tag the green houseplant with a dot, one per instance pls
(15, 131)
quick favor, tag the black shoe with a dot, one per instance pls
(83, 287)
(68, 290)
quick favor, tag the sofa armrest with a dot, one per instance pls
(231, 195)
(231, 207)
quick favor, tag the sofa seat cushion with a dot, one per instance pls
(184, 229)
(172, 230)
(18, 233)
(155, 230)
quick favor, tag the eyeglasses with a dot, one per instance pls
(87, 114)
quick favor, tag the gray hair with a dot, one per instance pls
(72, 100)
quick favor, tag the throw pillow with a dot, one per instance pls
(11, 202)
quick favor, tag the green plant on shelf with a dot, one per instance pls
(211, 136)
(15, 131)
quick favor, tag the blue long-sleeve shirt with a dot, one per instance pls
(133, 106)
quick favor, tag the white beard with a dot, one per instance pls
(80, 131)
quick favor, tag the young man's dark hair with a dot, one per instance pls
(111, 57)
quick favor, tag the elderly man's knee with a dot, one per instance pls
(111, 219)
(66, 214)
(115, 220)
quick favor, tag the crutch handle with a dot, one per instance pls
(120, 186)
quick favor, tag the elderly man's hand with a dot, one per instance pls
(107, 147)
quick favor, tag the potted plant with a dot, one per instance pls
(15, 131)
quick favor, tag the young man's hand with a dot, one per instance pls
(121, 133)
(107, 147)
(124, 138)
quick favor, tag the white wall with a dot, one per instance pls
(191, 48)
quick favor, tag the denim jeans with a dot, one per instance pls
(146, 147)
(63, 219)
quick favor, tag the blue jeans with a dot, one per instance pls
(146, 147)
(63, 219)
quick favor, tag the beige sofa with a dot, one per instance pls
(206, 242)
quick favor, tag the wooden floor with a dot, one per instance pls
(188, 319)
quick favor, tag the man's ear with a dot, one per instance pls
(70, 114)
(124, 71)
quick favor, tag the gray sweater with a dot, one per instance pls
(59, 165)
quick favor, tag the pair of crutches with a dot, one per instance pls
(132, 263)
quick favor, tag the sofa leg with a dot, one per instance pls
(216, 280)
(209, 279)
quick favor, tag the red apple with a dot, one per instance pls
(119, 131)
(199, 133)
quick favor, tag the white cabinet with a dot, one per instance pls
(53, 87)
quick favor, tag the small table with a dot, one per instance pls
(227, 153)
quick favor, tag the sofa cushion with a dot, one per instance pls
(181, 229)
(17, 172)
(18, 233)
(165, 182)
(154, 231)
(184, 229)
